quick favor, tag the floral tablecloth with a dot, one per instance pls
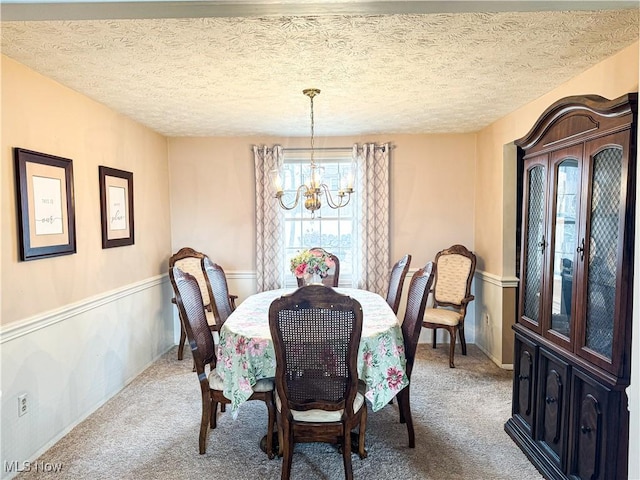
(246, 354)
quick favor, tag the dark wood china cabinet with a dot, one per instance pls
(573, 333)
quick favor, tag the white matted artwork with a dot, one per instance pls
(45, 204)
(116, 207)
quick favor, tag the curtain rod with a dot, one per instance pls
(327, 149)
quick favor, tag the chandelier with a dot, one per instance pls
(314, 189)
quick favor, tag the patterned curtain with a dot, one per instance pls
(269, 220)
(371, 262)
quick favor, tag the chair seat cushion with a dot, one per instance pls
(262, 385)
(442, 316)
(321, 416)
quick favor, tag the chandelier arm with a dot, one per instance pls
(330, 200)
(280, 194)
(314, 189)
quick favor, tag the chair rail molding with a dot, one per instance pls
(42, 320)
(503, 282)
(241, 275)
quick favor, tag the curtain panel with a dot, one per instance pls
(371, 257)
(269, 220)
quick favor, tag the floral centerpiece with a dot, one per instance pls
(309, 263)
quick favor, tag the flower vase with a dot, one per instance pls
(313, 279)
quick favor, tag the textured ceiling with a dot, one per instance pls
(403, 73)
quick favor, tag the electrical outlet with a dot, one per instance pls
(486, 318)
(23, 404)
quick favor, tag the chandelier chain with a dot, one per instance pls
(313, 163)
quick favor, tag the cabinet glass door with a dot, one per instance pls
(565, 224)
(603, 250)
(534, 243)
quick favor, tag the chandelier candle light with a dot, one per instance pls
(313, 189)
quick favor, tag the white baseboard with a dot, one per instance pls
(504, 366)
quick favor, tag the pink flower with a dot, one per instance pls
(394, 378)
(244, 385)
(257, 347)
(300, 270)
(329, 262)
(397, 350)
(227, 362)
(368, 358)
(241, 346)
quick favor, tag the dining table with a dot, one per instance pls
(245, 351)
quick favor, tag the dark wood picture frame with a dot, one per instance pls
(116, 207)
(45, 204)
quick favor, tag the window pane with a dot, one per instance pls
(331, 228)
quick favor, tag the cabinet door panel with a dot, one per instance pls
(565, 209)
(524, 383)
(589, 429)
(552, 410)
(534, 243)
(604, 219)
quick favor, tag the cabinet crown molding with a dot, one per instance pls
(577, 113)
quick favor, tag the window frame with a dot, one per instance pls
(292, 244)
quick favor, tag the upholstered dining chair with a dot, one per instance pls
(411, 327)
(396, 282)
(455, 267)
(316, 333)
(192, 311)
(331, 280)
(190, 260)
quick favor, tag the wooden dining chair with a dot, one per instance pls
(331, 280)
(411, 327)
(316, 333)
(396, 282)
(223, 303)
(190, 260)
(455, 267)
(192, 311)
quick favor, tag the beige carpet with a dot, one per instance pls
(150, 431)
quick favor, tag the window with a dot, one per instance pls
(331, 229)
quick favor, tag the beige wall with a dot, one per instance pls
(213, 204)
(77, 328)
(40, 114)
(611, 78)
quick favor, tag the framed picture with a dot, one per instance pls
(46, 211)
(116, 207)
